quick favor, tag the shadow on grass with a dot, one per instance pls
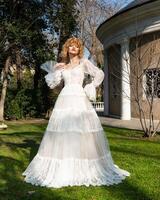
(28, 141)
(13, 186)
(122, 131)
(134, 139)
(134, 152)
(128, 134)
(128, 191)
(23, 133)
(20, 129)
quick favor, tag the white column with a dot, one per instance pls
(126, 97)
(106, 83)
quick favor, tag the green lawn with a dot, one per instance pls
(141, 157)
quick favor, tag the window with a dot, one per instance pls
(152, 82)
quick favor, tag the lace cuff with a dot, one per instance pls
(54, 76)
(53, 79)
(94, 71)
(90, 91)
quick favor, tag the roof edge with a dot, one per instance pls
(121, 12)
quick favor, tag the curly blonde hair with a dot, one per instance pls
(70, 41)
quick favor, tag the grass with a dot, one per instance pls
(140, 156)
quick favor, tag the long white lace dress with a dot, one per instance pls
(74, 149)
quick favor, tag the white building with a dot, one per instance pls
(138, 21)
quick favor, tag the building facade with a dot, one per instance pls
(131, 41)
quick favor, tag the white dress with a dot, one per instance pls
(74, 149)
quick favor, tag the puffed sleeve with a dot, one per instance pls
(54, 76)
(97, 78)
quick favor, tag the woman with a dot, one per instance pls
(74, 149)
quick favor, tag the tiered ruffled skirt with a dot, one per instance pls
(74, 149)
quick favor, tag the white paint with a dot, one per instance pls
(135, 22)
(98, 106)
(126, 97)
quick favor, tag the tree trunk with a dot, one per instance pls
(19, 71)
(4, 88)
(36, 76)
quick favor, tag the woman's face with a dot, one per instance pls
(73, 49)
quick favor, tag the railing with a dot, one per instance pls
(98, 106)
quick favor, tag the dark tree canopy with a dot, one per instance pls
(31, 31)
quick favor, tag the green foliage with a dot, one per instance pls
(28, 31)
(14, 109)
(27, 103)
(19, 104)
(61, 16)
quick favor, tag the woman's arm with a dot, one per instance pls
(97, 75)
(54, 76)
(94, 71)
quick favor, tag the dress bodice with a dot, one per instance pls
(74, 76)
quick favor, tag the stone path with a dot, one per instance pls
(134, 123)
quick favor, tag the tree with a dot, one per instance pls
(91, 14)
(61, 17)
(21, 25)
(145, 82)
(29, 35)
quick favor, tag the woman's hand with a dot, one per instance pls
(60, 65)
